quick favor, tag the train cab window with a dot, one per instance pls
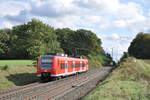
(46, 62)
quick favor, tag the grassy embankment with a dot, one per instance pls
(16, 73)
(97, 61)
(130, 81)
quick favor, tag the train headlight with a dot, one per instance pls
(38, 75)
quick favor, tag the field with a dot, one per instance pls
(16, 73)
(16, 62)
(17, 76)
(130, 81)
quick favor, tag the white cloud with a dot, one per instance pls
(119, 44)
(111, 37)
(51, 8)
(131, 11)
(6, 24)
(120, 24)
(22, 17)
(102, 14)
(103, 6)
(12, 7)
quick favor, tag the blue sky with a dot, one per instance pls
(116, 22)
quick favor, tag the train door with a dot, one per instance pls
(73, 66)
(66, 67)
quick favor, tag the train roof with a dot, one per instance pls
(71, 58)
(58, 56)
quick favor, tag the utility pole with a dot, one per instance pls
(112, 52)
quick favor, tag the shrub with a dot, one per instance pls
(4, 67)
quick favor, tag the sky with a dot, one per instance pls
(116, 22)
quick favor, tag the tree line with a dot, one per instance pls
(140, 46)
(34, 38)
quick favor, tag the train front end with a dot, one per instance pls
(45, 67)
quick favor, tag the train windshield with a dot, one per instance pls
(46, 62)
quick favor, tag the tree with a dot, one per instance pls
(64, 37)
(125, 55)
(4, 38)
(34, 39)
(80, 42)
(85, 42)
(140, 46)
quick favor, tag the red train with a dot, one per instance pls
(50, 66)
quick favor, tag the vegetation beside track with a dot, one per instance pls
(130, 81)
(140, 46)
(98, 61)
(17, 76)
(16, 63)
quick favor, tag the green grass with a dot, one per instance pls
(22, 72)
(16, 62)
(97, 61)
(17, 76)
(130, 81)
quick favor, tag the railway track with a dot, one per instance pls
(8, 93)
(60, 87)
(50, 90)
(5, 91)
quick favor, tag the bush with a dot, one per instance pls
(4, 67)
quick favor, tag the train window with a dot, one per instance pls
(62, 65)
(80, 64)
(73, 64)
(83, 64)
(77, 65)
(58, 62)
(66, 64)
